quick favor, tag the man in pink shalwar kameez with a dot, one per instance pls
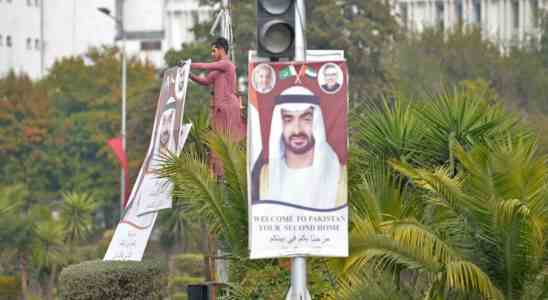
(225, 107)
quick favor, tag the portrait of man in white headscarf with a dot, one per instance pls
(302, 170)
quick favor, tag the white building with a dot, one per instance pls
(504, 21)
(36, 33)
(153, 27)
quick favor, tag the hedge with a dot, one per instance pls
(99, 279)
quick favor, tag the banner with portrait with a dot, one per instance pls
(151, 193)
(297, 158)
(165, 139)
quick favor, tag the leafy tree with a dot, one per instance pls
(426, 62)
(87, 101)
(25, 134)
(363, 29)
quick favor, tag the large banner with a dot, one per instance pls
(297, 157)
(150, 193)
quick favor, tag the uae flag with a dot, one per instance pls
(287, 72)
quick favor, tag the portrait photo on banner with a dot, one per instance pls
(303, 124)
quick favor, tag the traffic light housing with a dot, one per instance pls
(276, 28)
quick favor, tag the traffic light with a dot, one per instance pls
(276, 28)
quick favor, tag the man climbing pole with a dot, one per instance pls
(225, 107)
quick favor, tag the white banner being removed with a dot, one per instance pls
(150, 193)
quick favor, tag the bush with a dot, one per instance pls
(10, 287)
(190, 264)
(113, 280)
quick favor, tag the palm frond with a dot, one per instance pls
(466, 276)
(391, 131)
(199, 194)
(12, 199)
(76, 211)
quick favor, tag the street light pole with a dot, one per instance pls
(124, 110)
(120, 22)
(298, 289)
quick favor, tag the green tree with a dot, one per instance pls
(25, 135)
(87, 101)
(363, 29)
(29, 235)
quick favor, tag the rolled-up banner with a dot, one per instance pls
(155, 191)
(150, 193)
(297, 158)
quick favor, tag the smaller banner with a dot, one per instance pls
(297, 158)
(150, 193)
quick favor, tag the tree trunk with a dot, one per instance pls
(212, 253)
(51, 283)
(23, 263)
(205, 248)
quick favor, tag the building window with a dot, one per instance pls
(37, 2)
(37, 44)
(1, 38)
(459, 11)
(29, 44)
(8, 41)
(515, 14)
(29, 2)
(151, 45)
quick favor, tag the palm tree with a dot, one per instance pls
(76, 215)
(388, 237)
(468, 115)
(501, 202)
(53, 255)
(398, 224)
(29, 235)
(222, 206)
(174, 223)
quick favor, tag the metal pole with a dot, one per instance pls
(42, 42)
(298, 290)
(124, 96)
(224, 32)
(300, 25)
(120, 22)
